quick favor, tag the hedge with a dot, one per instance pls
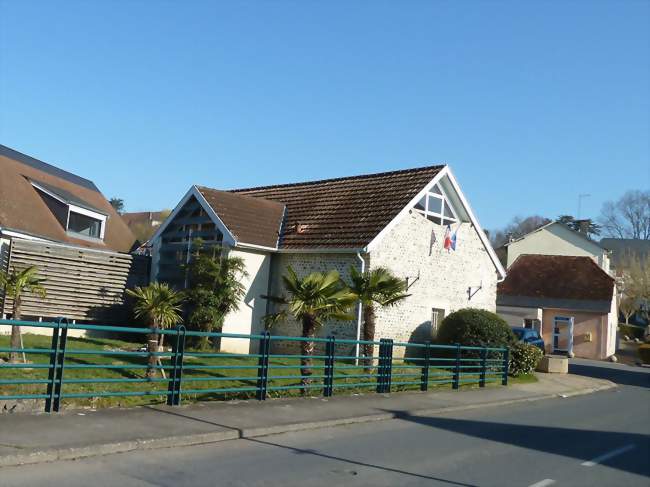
(524, 358)
(644, 353)
(632, 331)
(477, 328)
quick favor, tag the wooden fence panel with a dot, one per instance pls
(81, 284)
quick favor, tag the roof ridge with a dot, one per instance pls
(47, 168)
(344, 178)
(234, 193)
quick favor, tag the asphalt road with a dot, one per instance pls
(602, 439)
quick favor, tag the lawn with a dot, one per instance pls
(196, 379)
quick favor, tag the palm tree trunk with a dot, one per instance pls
(159, 359)
(15, 342)
(307, 350)
(152, 347)
(368, 336)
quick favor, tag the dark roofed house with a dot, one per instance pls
(570, 300)
(394, 219)
(63, 224)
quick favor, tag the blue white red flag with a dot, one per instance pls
(450, 239)
(447, 241)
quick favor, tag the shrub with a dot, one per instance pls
(524, 358)
(644, 353)
(475, 327)
(631, 331)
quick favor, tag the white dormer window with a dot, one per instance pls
(435, 206)
(85, 223)
(77, 217)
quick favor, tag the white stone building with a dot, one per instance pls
(396, 220)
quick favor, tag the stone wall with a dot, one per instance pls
(409, 251)
(439, 278)
(303, 264)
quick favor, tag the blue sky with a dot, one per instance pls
(531, 103)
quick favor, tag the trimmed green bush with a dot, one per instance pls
(524, 359)
(631, 331)
(475, 327)
(644, 353)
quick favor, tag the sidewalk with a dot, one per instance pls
(26, 438)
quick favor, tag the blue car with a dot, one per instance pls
(530, 336)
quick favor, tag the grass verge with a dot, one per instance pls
(237, 372)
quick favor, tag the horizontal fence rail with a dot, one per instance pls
(92, 368)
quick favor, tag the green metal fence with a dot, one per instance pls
(396, 366)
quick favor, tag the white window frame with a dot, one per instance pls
(89, 213)
(436, 320)
(75, 209)
(444, 203)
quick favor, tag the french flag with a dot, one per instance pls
(450, 239)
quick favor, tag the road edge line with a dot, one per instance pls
(74, 453)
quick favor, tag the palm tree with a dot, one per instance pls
(160, 305)
(15, 284)
(377, 286)
(215, 287)
(312, 300)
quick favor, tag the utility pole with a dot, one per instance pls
(580, 197)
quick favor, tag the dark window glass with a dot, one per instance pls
(420, 204)
(435, 205)
(448, 211)
(84, 225)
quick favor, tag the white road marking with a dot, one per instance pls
(543, 483)
(607, 456)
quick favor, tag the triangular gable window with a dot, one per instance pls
(436, 207)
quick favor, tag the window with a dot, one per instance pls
(75, 216)
(532, 323)
(435, 206)
(437, 315)
(84, 225)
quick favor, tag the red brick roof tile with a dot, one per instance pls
(557, 277)
(344, 212)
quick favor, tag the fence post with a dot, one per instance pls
(176, 376)
(263, 365)
(389, 365)
(381, 365)
(481, 380)
(57, 359)
(456, 381)
(424, 384)
(506, 356)
(330, 348)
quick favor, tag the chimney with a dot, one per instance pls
(583, 226)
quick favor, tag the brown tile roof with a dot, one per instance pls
(23, 210)
(344, 212)
(251, 220)
(557, 277)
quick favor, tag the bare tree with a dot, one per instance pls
(629, 217)
(518, 227)
(635, 289)
(627, 307)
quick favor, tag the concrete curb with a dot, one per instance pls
(74, 453)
